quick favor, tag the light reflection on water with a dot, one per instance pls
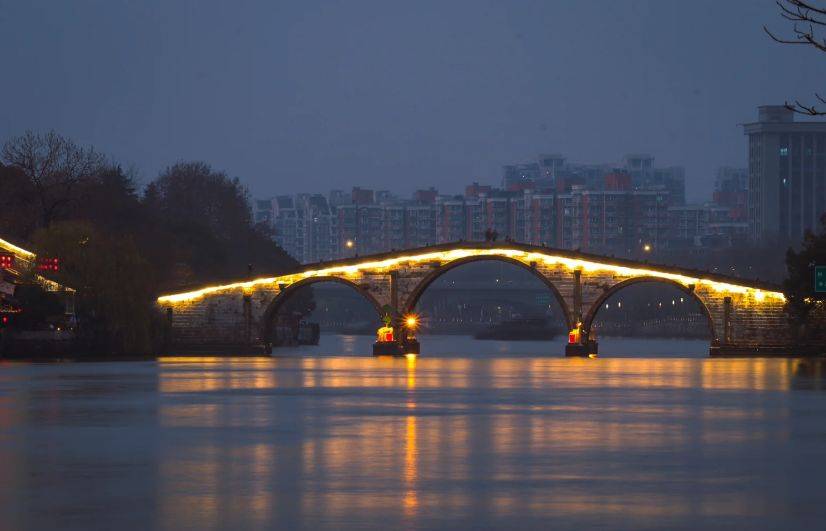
(355, 442)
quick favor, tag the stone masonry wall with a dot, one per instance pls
(235, 316)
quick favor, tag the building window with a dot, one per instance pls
(784, 152)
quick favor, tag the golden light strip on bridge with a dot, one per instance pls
(15, 249)
(444, 257)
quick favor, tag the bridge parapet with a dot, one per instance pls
(24, 260)
(740, 313)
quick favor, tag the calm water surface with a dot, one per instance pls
(472, 435)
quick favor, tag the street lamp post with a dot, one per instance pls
(349, 247)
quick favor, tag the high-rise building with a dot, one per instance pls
(671, 179)
(640, 167)
(599, 207)
(606, 220)
(363, 196)
(320, 241)
(476, 219)
(361, 228)
(731, 190)
(650, 215)
(394, 228)
(303, 225)
(520, 176)
(339, 197)
(426, 196)
(706, 225)
(787, 175)
(453, 219)
(567, 219)
(617, 218)
(540, 218)
(475, 190)
(263, 212)
(497, 213)
(550, 167)
(421, 225)
(288, 226)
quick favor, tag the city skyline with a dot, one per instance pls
(629, 209)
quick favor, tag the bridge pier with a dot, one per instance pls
(741, 313)
(577, 302)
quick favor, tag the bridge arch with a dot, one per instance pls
(285, 294)
(588, 320)
(423, 284)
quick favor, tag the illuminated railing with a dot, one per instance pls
(26, 260)
(21, 256)
(385, 265)
(18, 251)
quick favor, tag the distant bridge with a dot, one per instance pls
(743, 315)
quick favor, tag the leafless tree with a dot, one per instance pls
(55, 167)
(808, 28)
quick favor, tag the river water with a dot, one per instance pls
(480, 435)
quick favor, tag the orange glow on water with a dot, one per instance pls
(406, 448)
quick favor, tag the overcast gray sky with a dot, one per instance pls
(306, 95)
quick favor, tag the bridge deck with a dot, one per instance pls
(595, 259)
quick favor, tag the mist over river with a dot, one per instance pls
(471, 434)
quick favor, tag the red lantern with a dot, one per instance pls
(48, 264)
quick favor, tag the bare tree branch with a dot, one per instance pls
(804, 14)
(806, 6)
(55, 166)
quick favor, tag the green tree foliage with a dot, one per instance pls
(114, 302)
(805, 306)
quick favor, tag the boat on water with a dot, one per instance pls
(396, 348)
(531, 329)
(388, 343)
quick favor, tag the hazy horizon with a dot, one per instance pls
(305, 97)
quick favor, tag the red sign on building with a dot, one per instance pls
(6, 261)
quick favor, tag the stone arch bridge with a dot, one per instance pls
(744, 316)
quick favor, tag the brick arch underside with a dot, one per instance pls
(422, 286)
(587, 322)
(285, 295)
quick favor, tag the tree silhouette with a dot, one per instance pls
(805, 306)
(55, 167)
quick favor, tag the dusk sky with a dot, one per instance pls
(306, 96)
